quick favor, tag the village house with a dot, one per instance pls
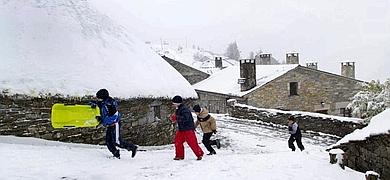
(287, 86)
(65, 53)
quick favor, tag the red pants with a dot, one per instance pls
(190, 138)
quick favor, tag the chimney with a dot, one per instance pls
(263, 59)
(348, 69)
(312, 65)
(247, 74)
(292, 58)
(218, 62)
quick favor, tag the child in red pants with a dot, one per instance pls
(185, 131)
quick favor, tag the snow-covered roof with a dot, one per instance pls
(379, 124)
(226, 80)
(70, 48)
(199, 59)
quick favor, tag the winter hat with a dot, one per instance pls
(196, 108)
(177, 99)
(102, 94)
(291, 118)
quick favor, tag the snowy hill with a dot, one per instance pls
(193, 56)
(69, 47)
(249, 151)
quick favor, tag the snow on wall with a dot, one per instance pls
(379, 124)
(68, 47)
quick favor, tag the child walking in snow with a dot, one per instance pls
(110, 117)
(208, 126)
(185, 131)
(295, 134)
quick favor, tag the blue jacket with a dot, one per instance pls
(109, 111)
(184, 118)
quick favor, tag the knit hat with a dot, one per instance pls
(177, 99)
(196, 108)
(102, 94)
(291, 118)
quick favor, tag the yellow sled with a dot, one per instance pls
(63, 116)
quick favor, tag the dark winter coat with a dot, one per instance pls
(184, 118)
(109, 111)
(294, 129)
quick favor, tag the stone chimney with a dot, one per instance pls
(247, 74)
(292, 58)
(312, 65)
(348, 69)
(263, 59)
(218, 62)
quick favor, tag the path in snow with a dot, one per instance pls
(250, 151)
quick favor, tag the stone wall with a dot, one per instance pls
(192, 75)
(372, 154)
(318, 91)
(306, 122)
(215, 102)
(144, 121)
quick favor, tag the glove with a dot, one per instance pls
(99, 118)
(93, 104)
(173, 117)
(215, 131)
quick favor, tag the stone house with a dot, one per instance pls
(368, 149)
(64, 53)
(285, 86)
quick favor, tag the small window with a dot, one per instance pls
(157, 112)
(293, 88)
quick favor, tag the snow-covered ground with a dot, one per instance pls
(250, 151)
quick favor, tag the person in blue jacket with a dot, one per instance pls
(110, 118)
(295, 134)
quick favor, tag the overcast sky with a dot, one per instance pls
(327, 32)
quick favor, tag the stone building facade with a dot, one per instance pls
(192, 75)
(144, 120)
(216, 102)
(307, 89)
(371, 154)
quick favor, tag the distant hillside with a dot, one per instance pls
(195, 57)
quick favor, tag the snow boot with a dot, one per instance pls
(218, 144)
(212, 153)
(117, 154)
(134, 151)
(178, 158)
(199, 158)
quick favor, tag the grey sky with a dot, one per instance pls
(327, 32)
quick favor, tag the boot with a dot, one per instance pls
(117, 154)
(212, 153)
(199, 158)
(218, 143)
(134, 151)
(178, 158)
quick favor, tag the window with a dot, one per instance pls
(293, 88)
(157, 112)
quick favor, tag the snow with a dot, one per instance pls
(248, 151)
(379, 124)
(304, 113)
(336, 151)
(197, 58)
(372, 173)
(226, 80)
(70, 48)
